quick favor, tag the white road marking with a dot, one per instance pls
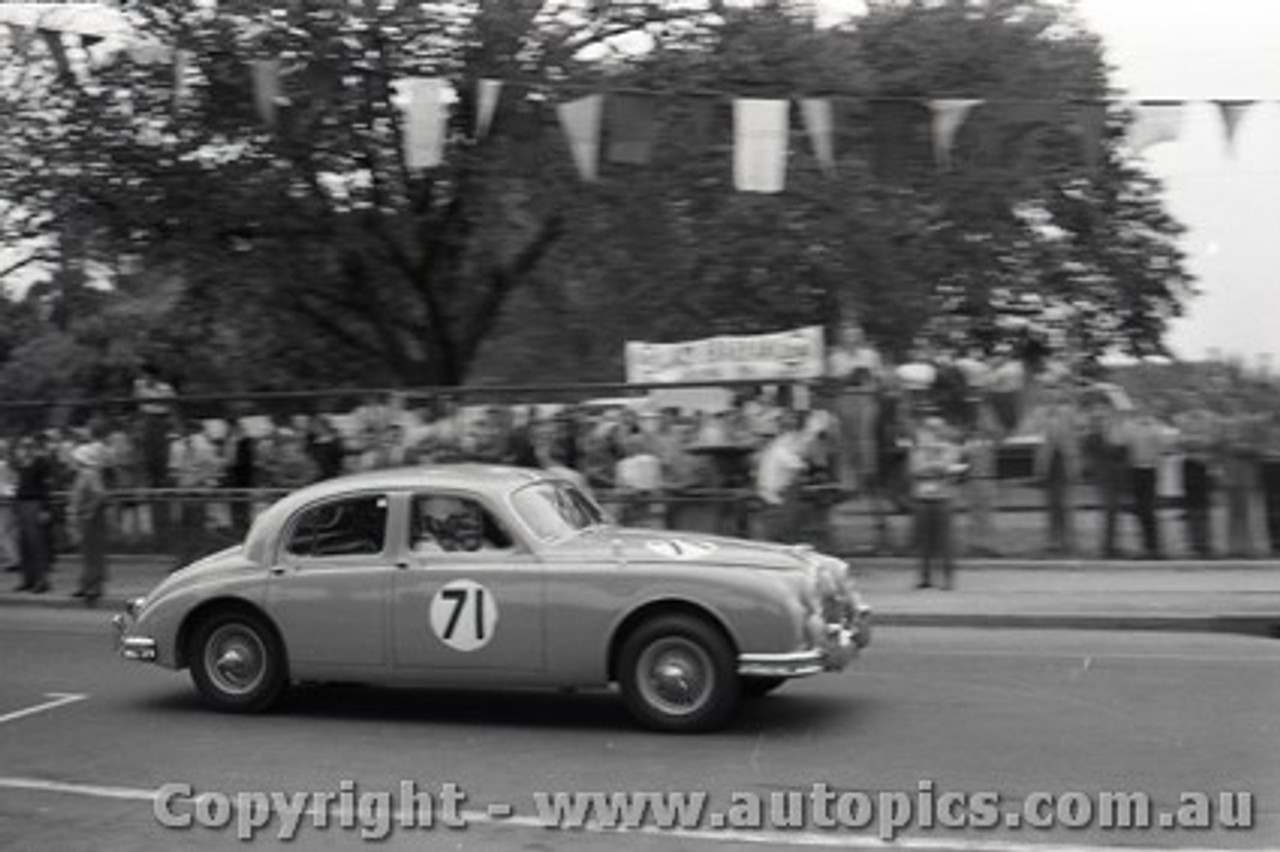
(59, 699)
(1124, 656)
(777, 839)
(95, 791)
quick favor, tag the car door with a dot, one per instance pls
(469, 596)
(330, 588)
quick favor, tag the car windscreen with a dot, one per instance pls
(554, 510)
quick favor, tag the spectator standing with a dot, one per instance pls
(935, 464)
(291, 466)
(239, 471)
(87, 518)
(779, 475)
(194, 464)
(1145, 441)
(1058, 467)
(10, 553)
(1269, 476)
(1198, 432)
(1106, 452)
(326, 448)
(980, 486)
(1238, 473)
(854, 367)
(683, 473)
(33, 494)
(155, 406)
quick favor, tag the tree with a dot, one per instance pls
(315, 220)
(306, 253)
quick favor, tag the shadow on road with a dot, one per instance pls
(585, 709)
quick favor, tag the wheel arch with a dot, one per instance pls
(182, 645)
(658, 608)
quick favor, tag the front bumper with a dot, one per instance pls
(141, 648)
(838, 645)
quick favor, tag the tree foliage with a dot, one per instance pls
(242, 255)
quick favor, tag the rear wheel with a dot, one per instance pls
(677, 673)
(237, 662)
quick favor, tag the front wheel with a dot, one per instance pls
(237, 663)
(677, 673)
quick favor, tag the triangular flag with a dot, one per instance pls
(948, 117)
(266, 89)
(1154, 122)
(632, 127)
(1232, 113)
(819, 123)
(181, 62)
(580, 120)
(760, 136)
(487, 93)
(53, 40)
(426, 120)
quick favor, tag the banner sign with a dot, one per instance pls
(794, 354)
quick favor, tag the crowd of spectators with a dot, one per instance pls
(872, 430)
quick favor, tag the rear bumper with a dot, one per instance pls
(839, 645)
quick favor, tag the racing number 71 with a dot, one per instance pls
(459, 599)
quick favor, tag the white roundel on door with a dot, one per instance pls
(464, 615)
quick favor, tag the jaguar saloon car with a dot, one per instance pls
(487, 576)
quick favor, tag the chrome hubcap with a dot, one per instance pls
(235, 659)
(676, 676)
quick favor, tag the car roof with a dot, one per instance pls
(484, 479)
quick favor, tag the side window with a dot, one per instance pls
(352, 527)
(449, 524)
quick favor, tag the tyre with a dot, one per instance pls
(237, 662)
(678, 673)
(758, 687)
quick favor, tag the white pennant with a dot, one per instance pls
(426, 118)
(580, 120)
(1154, 124)
(819, 122)
(760, 135)
(949, 115)
(487, 92)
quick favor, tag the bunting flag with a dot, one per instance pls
(426, 118)
(900, 136)
(182, 60)
(760, 137)
(266, 89)
(580, 120)
(948, 117)
(632, 126)
(819, 123)
(1154, 122)
(53, 40)
(1232, 113)
(487, 94)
